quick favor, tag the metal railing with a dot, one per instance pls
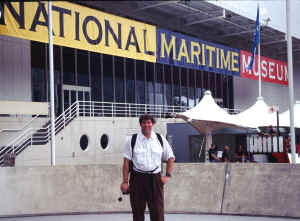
(107, 109)
(38, 136)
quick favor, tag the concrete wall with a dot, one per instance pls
(68, 150)
(15, 69)
(263, 189)
(252, 189)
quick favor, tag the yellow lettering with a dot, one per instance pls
(234, 61)
(211, 49)
(225, 63)
(217, 58)
(195, 45)
(203, 55)
(183, 51)
(164, 45)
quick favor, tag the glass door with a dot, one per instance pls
(76, 93)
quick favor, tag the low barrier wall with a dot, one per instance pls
(263, 189)
(250, 189)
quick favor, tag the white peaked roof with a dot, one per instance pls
(284, 118)
(257, 115)
(207, 115)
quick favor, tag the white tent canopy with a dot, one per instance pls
(257, 115)
(208, 116)
(284, 118)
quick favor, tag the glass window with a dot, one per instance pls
(38, 75)
(57, 79)
(82, 68)
(230, 86)
(218, 86)
(130, 86)
(119, 73)
(198, 89)
(205, 80)
(69, 65)
(150, 82)
(108, 90)
(140, 82)
(225, 91)
(84, 142)
(96, 76)
(176, 86)
(212, 84)
(191, 80)
(104, 141)
(168, 85)
(159, 84)
(184, 87)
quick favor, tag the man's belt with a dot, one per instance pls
(145, 171)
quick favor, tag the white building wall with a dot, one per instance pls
(246, 92)
(15, 69)
(68, 151)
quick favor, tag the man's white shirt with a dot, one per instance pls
(148, 153)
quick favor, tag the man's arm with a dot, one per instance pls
(170, 165)
(124, 185)
(125, 170)
(168, 156)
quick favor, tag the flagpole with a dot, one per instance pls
(259, 74)
(52, 114)
(291, 80)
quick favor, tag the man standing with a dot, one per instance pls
(146, 183)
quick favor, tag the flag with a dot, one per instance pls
(255, 40)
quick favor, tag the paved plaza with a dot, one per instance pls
(127, 217)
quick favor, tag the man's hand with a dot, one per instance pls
(164, 179)
(124, 187)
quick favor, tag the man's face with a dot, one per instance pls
(146, 126)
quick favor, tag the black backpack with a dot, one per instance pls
(133, 141)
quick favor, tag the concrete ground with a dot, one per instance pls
(127, 217)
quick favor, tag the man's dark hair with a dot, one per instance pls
(146, 117)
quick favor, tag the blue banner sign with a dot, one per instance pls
(189, 52)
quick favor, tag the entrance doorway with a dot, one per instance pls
(74, 93)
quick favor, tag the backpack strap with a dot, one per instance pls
(160, 139)
(133, 141)
(162, 146)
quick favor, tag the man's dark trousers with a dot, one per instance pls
(146, 188)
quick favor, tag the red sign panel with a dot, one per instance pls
(272, 70)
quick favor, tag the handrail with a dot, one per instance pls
(14, 141)
(20, 129)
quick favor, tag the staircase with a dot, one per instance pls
(37, 136)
